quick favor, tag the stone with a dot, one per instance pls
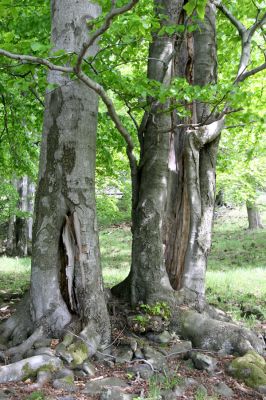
(180, 348)
(203, 362)
(251, 368)
(96, 387)
(66, 383)
(104, 355)
(88, 368)
(42, 343)
(223, 390)
(68, 339)
(62, 352)
(143, 370)
(190, 382)
(66, 398)
(65, 372)
(5, 394)
(261, 389)
(44, 350)
(168, 395)
(115, 394)
(138, 354)
(202, 391)
(123, 354)
(154, 357)
(79, 373)
(179, 390)
(162, 338)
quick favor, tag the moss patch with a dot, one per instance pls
(79, 352)
(251, 368)
(28, 372)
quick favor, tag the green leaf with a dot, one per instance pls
(37, 46)
(190, 7)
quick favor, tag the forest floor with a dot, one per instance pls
(236, 283)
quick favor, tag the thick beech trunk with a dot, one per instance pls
(254, 218)
(66, 282)
(191, 184)
(148, 280)
(172, 221)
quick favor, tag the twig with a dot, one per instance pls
(35, 60)
(109, 17)
(116, 339)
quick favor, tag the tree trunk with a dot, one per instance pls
(66, 281)
(254, 218)
(11, 238)
(21, 234)
(191, 183)
(148, 280)
(31, 195)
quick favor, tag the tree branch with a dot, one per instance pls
(247, 74)
(36, 95)
(114, 12)
(257, 25)
(239, 26)
(25, 59)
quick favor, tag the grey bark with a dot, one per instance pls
(172, 221)
(66, 281)
(191, 187)
(148, 280)
(21, 234)
(254, 217)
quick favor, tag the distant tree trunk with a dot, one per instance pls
(219, 199)
(21, 231)
(11, 238)
(10, 243)
(254, 218)
(66, 282)
(30, 198)
(18, 242)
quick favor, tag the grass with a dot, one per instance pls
(14, 274)
(236, 275)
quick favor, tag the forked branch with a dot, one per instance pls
(114, 12)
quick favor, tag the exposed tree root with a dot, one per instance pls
(19, 326)
(213, 334)
(16, 353)
(29, 367)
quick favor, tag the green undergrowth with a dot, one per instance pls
(236, 276)
(14, 274)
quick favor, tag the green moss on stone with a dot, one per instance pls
(68, 379)
(79, 352)
(251, 368)
(48, 368)
(28, 372)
